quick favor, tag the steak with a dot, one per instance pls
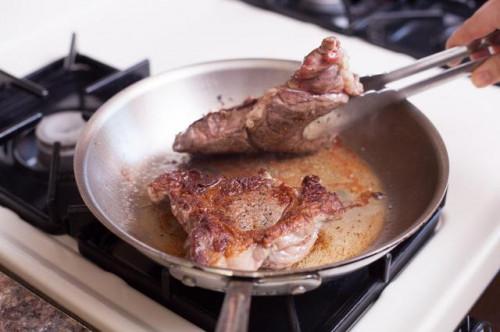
(245, 223)
(275, 122)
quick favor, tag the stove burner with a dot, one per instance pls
(34, 148)
(63, 127)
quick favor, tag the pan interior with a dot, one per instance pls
(340, 170)
(128, 143)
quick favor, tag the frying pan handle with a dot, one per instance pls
(235, 310)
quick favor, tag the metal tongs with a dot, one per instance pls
(377, 95)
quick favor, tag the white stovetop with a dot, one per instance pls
(432, 294)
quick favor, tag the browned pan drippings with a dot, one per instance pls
(340, 170)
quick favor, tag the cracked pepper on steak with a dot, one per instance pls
(249, 222)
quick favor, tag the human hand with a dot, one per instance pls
(484, 21)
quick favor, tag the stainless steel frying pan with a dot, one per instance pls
(137, 126)
(125, 141)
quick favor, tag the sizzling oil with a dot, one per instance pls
(340, 170)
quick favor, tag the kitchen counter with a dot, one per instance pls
(22, 310)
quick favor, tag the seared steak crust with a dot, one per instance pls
(247, 222)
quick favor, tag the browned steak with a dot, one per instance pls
(275, 122)
(248, 222)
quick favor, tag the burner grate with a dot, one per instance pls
(74, 83)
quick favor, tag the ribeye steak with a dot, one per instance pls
(275, 122)
(248, 222)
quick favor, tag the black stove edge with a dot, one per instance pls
(28, 213)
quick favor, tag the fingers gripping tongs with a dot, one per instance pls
(377, 95)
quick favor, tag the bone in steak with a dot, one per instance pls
(275, 122)
(248, 222)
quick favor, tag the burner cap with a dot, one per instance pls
(64, 127)
(34, 148)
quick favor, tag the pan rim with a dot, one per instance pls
(128, 94)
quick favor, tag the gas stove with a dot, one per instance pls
(41, 116)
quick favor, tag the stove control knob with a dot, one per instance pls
(188, 281)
